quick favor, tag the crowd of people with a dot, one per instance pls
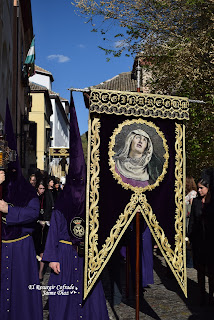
(48, 189)
(58, 249)
(199, 222)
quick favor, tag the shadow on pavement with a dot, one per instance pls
(192, 302)
(130, 301)
(167, 279)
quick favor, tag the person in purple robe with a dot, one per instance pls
(61, 249)
(19, 298)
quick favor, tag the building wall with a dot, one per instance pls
(66, 107)
(59, 126)
(6, 54)
(16, 32)
(146, 76)
(22, 37)
(43, 80)
(21, 43)
(37, 115)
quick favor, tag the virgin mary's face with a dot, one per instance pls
(138, 145)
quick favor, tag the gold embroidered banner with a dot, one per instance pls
(118, 185)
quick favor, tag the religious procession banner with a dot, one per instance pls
(136, 163)
(59, 152)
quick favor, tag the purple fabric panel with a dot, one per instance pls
(147, 258)
(19, 270)
(71, 266)
(146, 254)
(123, 252)
(132, 182)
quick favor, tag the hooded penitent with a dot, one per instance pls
(61, 242)
(16, 190)
(71, 201)
(18, 265)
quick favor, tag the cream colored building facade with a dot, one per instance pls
(54, 126)
(41, 111)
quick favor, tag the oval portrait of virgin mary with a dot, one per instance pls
(138, 154)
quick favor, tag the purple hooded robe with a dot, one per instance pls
(19, 265)
(66, 302)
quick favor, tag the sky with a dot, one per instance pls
(65, 46)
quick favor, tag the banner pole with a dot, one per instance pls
(137, 285)
(127, 270)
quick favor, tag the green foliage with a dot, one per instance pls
(85, 145)
(199, 139)
(176, 38)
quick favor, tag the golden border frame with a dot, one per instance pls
(112, 153)
(95, 260)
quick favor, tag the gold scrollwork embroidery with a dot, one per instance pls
(139, 104)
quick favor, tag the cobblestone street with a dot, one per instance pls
(163, 300)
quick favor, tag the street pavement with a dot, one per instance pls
(164, 300)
